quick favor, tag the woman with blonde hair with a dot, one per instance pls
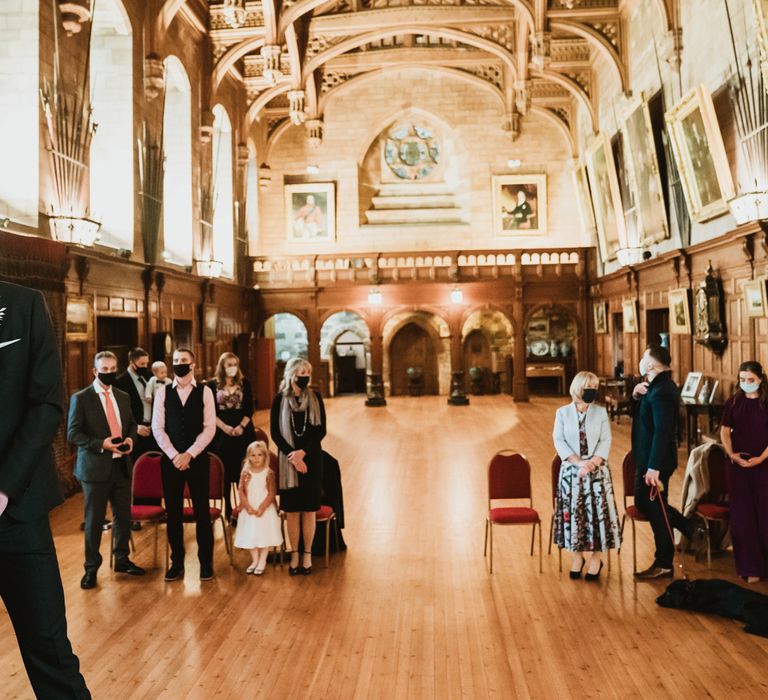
(234, 413)
(585, 513)
(297, 424)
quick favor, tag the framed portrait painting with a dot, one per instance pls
(629, 316)
(643, 169)
(606, 198)
(310, 212)
(584, 198)
(679, 312)
(600, 317)
(697, 144)
(210, 323)
(78, 326)
(519, 205)
(755, 298)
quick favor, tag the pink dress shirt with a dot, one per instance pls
(209, 419)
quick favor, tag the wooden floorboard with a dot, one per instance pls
(410, 610)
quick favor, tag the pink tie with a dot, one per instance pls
(114, 425)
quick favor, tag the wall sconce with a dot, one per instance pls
(209, 268)
(375, 297)
(457, 296)
(70, 229)
(750, 206)
(313, 169)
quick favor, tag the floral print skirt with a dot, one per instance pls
(585, 513)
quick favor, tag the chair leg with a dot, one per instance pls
(609, 561)
(533, 536)
(490, 542)
(709, 548)
(551, 533)
(336, 533)
(540, 552)
(154, 546)
(634, 549)
(328, 541)
(560, 559)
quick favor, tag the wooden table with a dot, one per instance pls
(695, 408)
(555, 370)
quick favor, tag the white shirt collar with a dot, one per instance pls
(193, 383)
(97, 385)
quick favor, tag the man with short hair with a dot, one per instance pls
(30, 580)
(184, 423)
(134, 383)
(101, 424)
(656, 408)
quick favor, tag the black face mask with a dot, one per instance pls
(182, 370)
(144, 372)
(302, 382)
(589, 395)
(107, 378)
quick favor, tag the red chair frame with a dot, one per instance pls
(630, 511)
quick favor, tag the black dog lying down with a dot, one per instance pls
(722, 598)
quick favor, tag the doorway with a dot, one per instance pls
(478, 361)
(617, 337)
(412, 348)
(118, 335)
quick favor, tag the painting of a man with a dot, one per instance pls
(520, 204)
(702, 165)
(310, 212)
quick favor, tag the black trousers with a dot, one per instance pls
(117, 490)
(197, 477)
(665, 546)
(30, 586)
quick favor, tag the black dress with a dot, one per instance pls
(231, 408)
(306, 496)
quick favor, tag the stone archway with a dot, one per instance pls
(413, 350)
(345, 352)
(488, 347)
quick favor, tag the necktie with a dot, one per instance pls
(114, 424)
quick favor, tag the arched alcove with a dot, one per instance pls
(223, 220)
(487, 338)
(290, 338)
(112, 147)
(178, 222)
(345, 348)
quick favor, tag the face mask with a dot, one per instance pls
(107, 378)
(144, 372)
(644, 368)
(302, 382)
(589, 395)
(749, 387)
(181, 370)
(231, 371)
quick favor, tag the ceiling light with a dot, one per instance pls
(513, 163)
(375, 297)
(313, 169)
(457, 296)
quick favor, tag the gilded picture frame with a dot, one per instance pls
(519, 205)
(210, 323)
(310, 212)
(78, 325)
(691, 386)
(629, 316)
(755, 298)
(697, 145)
(600, 315)
(606, 198)
(644, 176)
(584, 198)
(679, 312)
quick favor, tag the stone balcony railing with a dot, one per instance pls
(443, 266)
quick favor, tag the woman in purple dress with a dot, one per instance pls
(744, 433)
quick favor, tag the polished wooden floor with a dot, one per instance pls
(410, 610)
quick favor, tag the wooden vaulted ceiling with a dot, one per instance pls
(535, 55)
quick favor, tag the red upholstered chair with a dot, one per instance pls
(326, 515)
(261, 435)
(713, 507)
(509, 478)
(146, 482)
(555, 473)
(216, 494)
(630, 511)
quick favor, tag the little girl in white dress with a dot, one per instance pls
(258, 524)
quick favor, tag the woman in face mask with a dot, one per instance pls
(744, 434)
(297, 424)
(234, 411)
(586, 522)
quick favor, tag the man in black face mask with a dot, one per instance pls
(102, 426)
(184, 423)
(134, 383)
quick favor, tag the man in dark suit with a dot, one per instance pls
(101, 424)
(656, 408)
(30, 582)
(134, 383)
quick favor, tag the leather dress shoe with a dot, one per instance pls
(174, 573)
(305, 570)
(654, 572)
(88, 581)
(128, 567)
(206, 572)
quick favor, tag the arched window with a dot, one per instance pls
(252, 199)
(177, 180)
(223, 226)
(111, 166)
(19, 114)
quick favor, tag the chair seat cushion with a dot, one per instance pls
(634, 513)
(513, 516)
(324, 513)
(714, 511)
(188, 514)
(147, 512)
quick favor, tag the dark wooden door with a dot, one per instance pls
(477, 353)
(412, 347)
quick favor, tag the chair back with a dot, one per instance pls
(556, 464)
(216, 483)
(274, 463)
(147, 481)
(509, 476)
(259, 434)
(628, 477)
(718, 476)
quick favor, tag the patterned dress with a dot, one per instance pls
(585, 514)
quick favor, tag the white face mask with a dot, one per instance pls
(644, 366)
(231, 371)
